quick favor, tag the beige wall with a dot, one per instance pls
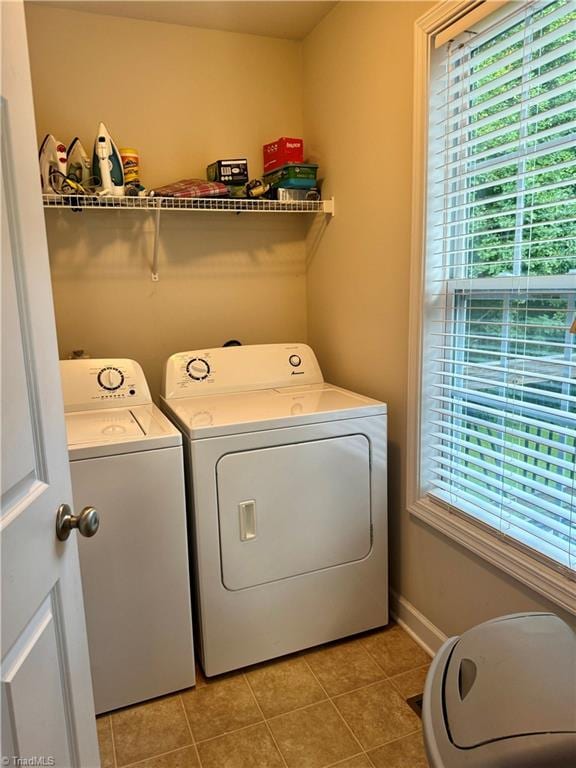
(184, 97)
(223, 277)
(358, 120)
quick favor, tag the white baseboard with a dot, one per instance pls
(426, 634)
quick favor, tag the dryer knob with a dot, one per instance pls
(198, 368)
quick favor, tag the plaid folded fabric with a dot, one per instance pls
(192, 188)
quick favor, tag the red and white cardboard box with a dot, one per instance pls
(282, 151)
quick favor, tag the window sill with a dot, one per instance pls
(537, 575)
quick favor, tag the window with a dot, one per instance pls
(497, 368)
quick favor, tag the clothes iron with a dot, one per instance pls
(107, 167)
(52, 157)
(79, 169)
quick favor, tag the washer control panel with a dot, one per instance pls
(240, 369)
(103, 383)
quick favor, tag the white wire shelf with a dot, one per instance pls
(230, 205)
(159, 205)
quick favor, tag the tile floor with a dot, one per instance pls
(341, 705)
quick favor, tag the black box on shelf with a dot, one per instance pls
(228, 171)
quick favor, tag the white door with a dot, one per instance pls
(47, 705)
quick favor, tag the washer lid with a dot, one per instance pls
(240, 412)
(105, 426)
(510, 677)
(110, 431)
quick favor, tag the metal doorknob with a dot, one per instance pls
(87, 522)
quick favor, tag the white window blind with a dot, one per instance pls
(499, 362)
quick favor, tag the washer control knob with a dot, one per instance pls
(110, 378)
(295, 360)
(198, 368)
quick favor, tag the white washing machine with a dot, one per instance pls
(126, 460)
(287, 495)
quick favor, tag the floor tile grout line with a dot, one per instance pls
(385, 679)
(369, 685)
(298, 709)
(114, 758)
(361, 688)
(341, 716)
(362, 751)
(190, 730)
(345, 760)
(372, 763)
(391, 741)
(399, 690)
(169, 751)
(245, 676)
(327, 697)
(229, 733)
(372, 658)
(335, 707)
(420, 666)
(155, 757)
(375, 660)
(362, 641)
(409, 671)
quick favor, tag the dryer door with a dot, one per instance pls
(293, 509)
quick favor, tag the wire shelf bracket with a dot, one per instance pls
(160, 205)
(155, 252)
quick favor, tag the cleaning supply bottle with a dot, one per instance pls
(131, 164)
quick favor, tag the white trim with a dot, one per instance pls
(474, 15)
(420, 629)
(542, 578)
(515, 283)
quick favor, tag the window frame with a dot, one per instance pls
(555, 583)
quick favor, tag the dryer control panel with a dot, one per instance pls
(240, 369)
(103, 383)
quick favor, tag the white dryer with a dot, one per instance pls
(126, 460)
(287, 497)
